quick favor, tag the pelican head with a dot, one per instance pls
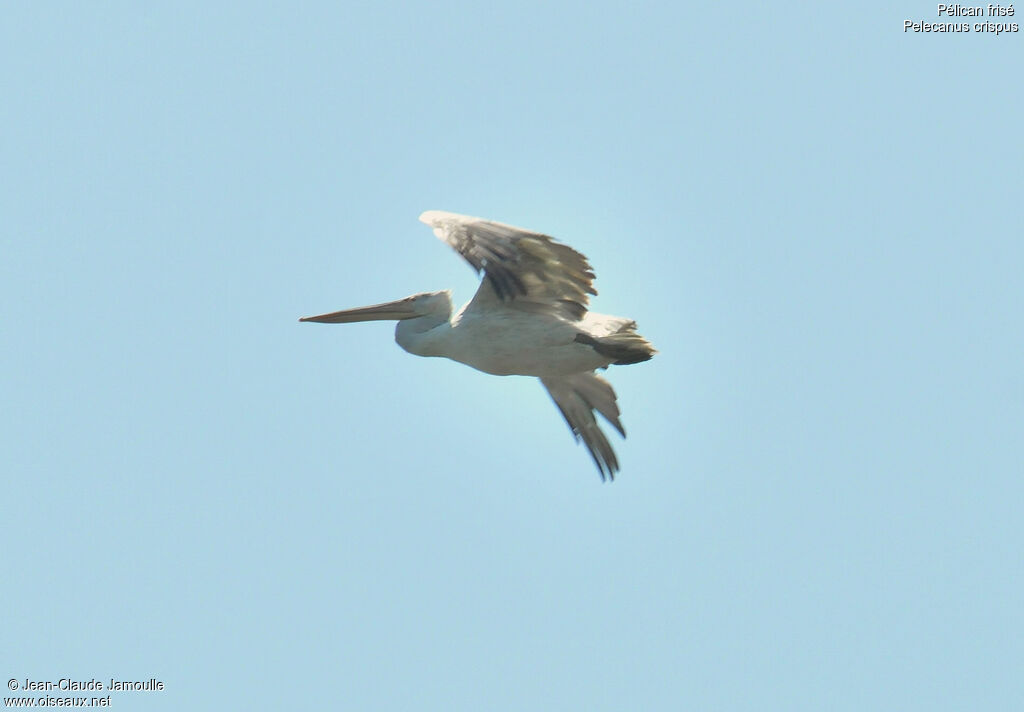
(428, 304)
(419, 318)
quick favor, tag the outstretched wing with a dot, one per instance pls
(526, 269)
(578, 396)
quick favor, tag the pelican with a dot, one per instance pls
(528, 318)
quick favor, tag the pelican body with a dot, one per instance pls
(528, 318)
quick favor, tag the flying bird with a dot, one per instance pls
(529, 317)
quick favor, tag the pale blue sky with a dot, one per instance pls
(814, 216)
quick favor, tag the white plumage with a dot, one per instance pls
(528, 318)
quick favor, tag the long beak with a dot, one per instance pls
(402, 309)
